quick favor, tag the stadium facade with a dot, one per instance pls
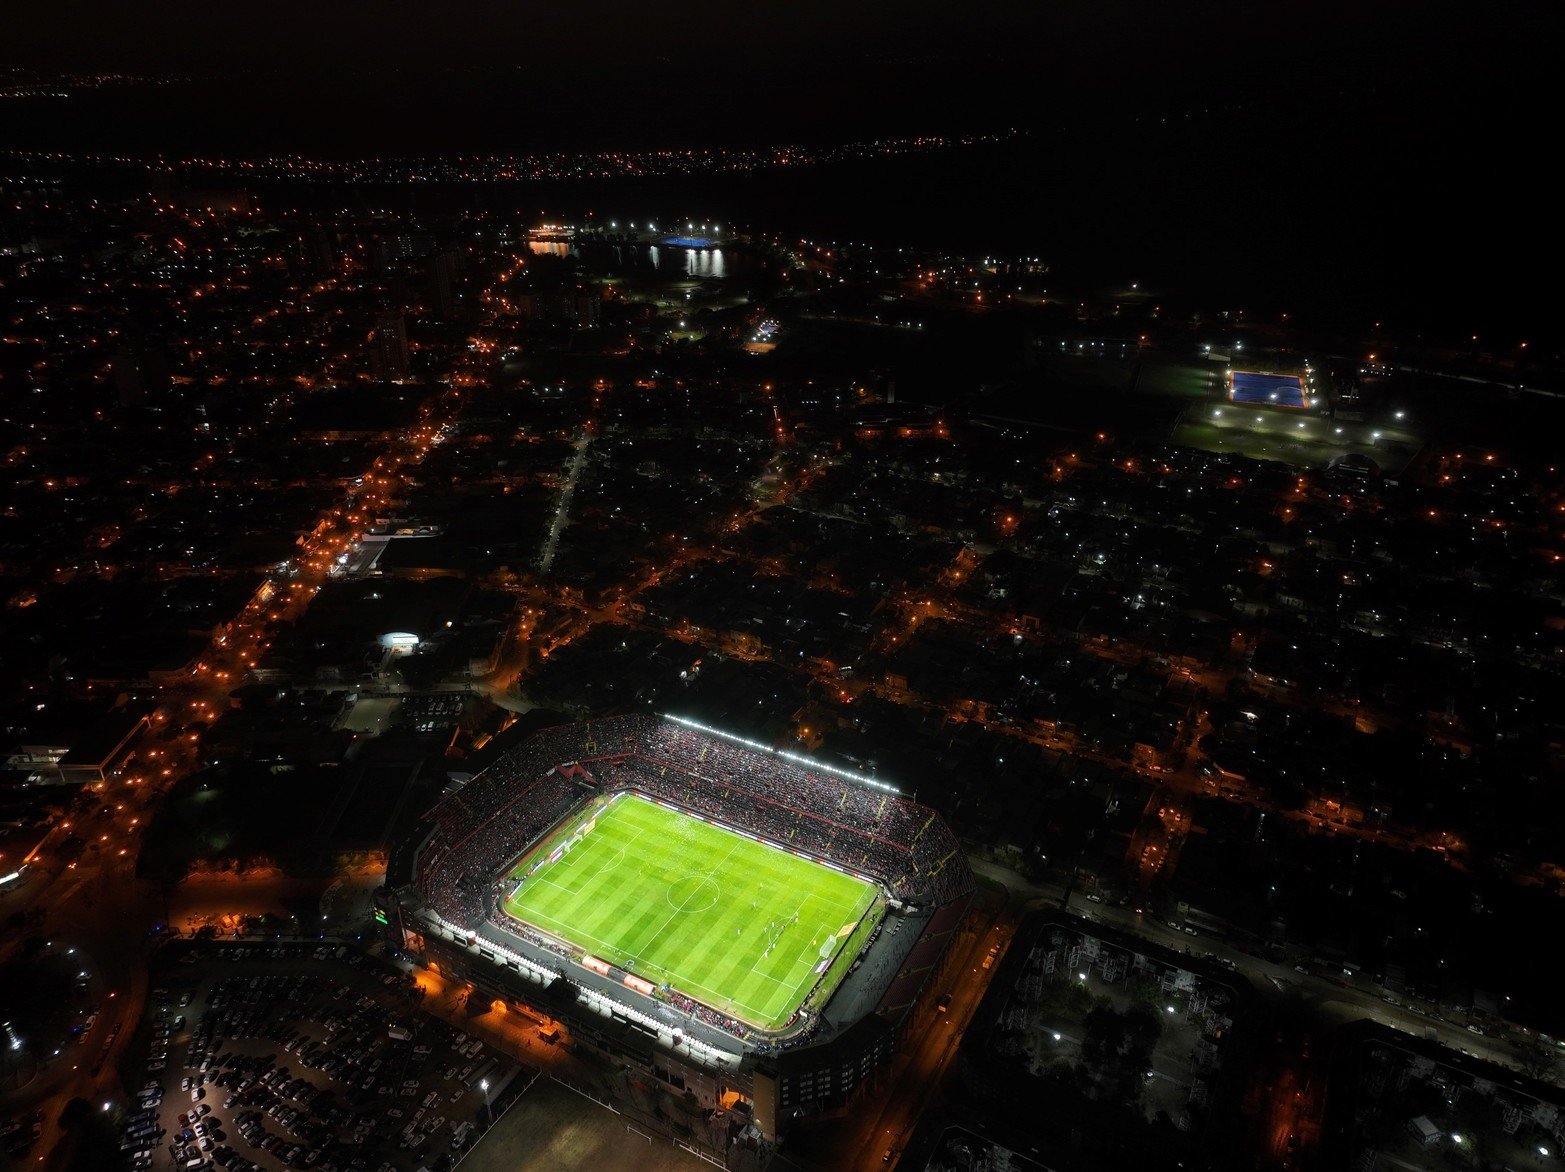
(444, 906)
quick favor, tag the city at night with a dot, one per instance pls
(781, 587)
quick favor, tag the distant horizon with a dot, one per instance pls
(1315, 248)
(1380, 161)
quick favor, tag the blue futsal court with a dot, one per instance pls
(1277, 390)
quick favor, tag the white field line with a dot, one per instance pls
(804, 965)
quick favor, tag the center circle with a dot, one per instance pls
(693, 893)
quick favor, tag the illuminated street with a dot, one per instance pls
(814, 589)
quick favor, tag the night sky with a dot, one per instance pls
(634, 72)
(1379, 159)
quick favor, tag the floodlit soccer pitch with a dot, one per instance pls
(739, 925)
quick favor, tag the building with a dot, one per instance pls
(443, 903)
(74, 747)
(442, 282)
(389, 358)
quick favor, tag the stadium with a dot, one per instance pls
(746, 924)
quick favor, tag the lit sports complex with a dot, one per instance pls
(747, 925)
(1268, 389)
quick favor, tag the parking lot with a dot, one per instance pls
(277, 1056)
(18, 1133)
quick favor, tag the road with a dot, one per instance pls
(562, 510)
(95, 902)
(100, 908)
(1336, 996)
(892, 1109)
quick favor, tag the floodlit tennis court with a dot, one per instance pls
(1278, 390)
(743, 926)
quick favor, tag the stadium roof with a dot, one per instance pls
(796, 758)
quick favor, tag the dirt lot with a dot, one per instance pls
(581, 1137)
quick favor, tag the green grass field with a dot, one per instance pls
(737, 924)
(1303, 440)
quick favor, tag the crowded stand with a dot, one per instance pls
(706, 1014)
(475, 809)
(904, 845)
(457, 868)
